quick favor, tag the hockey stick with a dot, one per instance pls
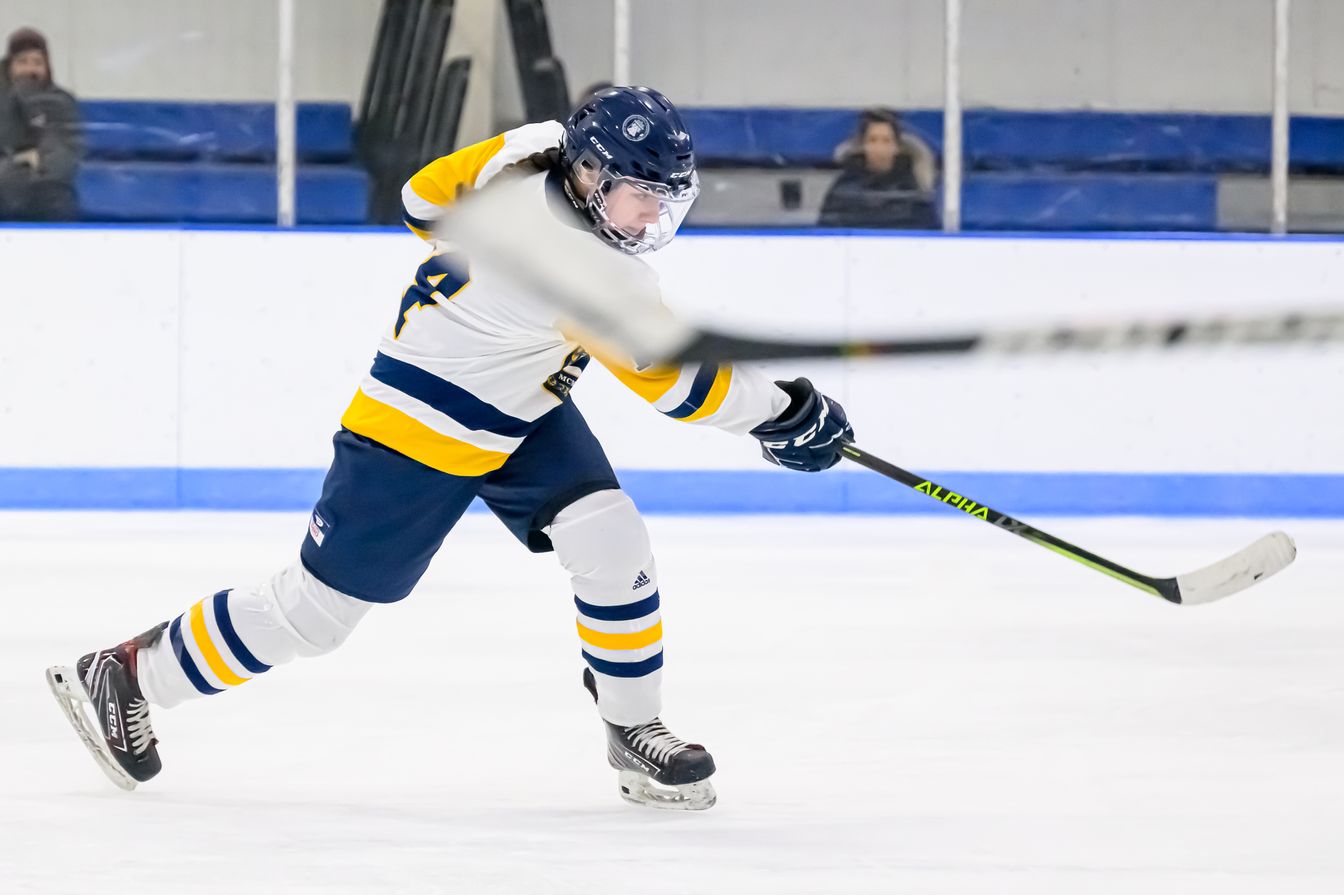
(614, 300)
(1270, 554)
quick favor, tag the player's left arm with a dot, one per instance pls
(731, 397)
(798, 427)
(436, 186)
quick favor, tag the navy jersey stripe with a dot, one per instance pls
(704, 381)
(414, 221)
(625, 613)
(446, 398)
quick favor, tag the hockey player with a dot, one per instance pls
(469, 397)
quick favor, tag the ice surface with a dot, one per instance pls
(915, 705)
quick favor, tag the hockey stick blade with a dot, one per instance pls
(1272, 553)
(613, 299)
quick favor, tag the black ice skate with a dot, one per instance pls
(122, 741)
(657, 770)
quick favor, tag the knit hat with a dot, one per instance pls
(26, 39)
(23, 41)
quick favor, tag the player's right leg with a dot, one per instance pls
(558, 492)
(381, 518)
(221, 642)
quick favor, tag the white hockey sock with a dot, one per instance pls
(603, 544)
(228, 639)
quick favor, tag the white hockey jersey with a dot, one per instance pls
(469, 367)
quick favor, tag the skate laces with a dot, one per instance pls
(138, 729)
(655, 740)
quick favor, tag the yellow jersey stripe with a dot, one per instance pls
(637, 640)
(717, 392)
(209, 650)
(404, 434)
(444, 179)
(650, 384)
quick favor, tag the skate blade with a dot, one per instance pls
(72, 698)
(638, 789)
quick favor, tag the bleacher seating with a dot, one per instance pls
(214, 163)
(1071, 170)
(210, 192)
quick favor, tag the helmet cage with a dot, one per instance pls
(674, 202)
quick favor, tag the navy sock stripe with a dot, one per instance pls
(235, 643)
(625, 613)
(625, 669)
(184, 659)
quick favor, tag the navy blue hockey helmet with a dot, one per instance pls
(632, 165)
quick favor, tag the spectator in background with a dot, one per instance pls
(40, 136)
(888, 181)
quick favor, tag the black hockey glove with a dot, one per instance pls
(808, 435)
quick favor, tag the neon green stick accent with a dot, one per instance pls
(1100, 568)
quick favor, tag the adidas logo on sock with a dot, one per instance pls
(640, 581)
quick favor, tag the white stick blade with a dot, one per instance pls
(1272, 553)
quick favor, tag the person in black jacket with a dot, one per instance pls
(887, 181)
(41, 141)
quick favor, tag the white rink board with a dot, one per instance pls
(239, 349)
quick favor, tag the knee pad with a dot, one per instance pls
(601, 540)
(295, 614)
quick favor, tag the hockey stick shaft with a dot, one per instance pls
(1164, 588)
(614, 300)
(1283, 328)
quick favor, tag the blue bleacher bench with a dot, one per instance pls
(1089, 201)
(995, 139)
(206, 192)
(231, 132)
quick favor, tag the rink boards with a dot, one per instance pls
(160, 368)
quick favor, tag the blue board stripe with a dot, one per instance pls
(446, 398)
(184, 659)
(235, 643)
(700, 386)
(624, 669)
(1318, 495)
(625, 613)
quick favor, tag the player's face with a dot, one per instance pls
(632, 209)
(30, 65)
(880, 147)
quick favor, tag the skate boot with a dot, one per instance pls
(122, 741)
(657, 770)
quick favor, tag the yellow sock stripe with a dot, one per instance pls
(717, 392)
(404, 434)
(637, 640)
(207, 646)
